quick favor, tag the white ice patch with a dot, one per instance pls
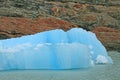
(90, 46)
(48, 43)
(38, 46)
(101, 59)
(92, 62)
(16, 48)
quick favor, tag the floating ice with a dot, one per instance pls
(101, 59)
(54, 49)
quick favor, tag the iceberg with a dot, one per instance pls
(54, 49)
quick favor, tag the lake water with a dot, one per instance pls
(99, 72)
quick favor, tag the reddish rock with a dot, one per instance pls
(89, 18)
(109, 37)
(78, 5)
(81, 6)
(14, 27)
(105, 29)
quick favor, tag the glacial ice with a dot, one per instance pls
(54, 49)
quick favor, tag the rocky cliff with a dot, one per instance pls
(24, 17)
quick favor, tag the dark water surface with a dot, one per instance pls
(99, 72)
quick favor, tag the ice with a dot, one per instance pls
(88, 38)
(101, 59)
(54, 49)
(73, 55)
(57, 36)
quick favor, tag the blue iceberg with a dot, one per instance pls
(54, 49)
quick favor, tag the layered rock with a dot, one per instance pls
(81, 12)
(16, 27)
(24, 17)
(109, 37)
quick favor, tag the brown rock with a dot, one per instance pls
(110, 37)
(15, 27)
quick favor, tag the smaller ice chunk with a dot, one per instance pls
(101, 59)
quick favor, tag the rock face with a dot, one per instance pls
(81, 12)
(15, 27)
(109, 37)
(24, 17)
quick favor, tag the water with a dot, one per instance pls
(99, 72)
